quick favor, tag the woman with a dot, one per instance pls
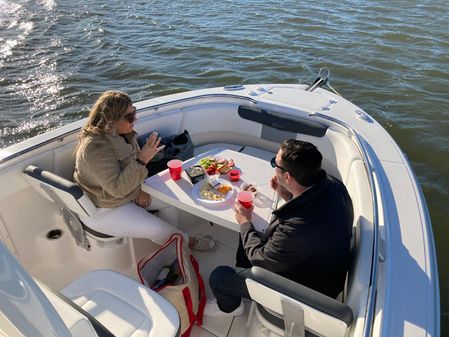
(110, 168)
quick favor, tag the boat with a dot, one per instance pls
(392, 286)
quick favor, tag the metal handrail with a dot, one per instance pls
(369, 167)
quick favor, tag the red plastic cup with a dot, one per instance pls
(234, 175)
(245, 198)
(175, 168)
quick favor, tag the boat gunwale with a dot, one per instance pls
(155, 107)
(376, 256)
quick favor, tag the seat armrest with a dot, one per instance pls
(300, 293)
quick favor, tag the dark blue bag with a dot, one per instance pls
(176, 147)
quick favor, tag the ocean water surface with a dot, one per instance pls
(390, 58)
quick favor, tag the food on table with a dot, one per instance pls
(250, 188)
(225, 169)
(213, 180)
(214, 165)
(224, 189)
(195, 173)
(207, 192)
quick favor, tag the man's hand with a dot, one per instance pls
(242, 214)
(143, 199)
(280, 190)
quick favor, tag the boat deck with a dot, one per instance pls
(227, 241)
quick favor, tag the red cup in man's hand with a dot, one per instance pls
(245, 198)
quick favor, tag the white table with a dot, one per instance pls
(179, 193)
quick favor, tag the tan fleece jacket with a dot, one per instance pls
(107, 171)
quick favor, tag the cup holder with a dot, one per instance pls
(54, 234)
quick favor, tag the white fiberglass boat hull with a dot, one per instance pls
(393, 287)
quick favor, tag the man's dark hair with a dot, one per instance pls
(302, 160)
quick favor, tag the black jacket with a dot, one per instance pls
(309, 240)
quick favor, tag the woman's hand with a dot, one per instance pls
(151, 148)
(280, 190)
(143, 199)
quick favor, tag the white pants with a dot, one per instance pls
(130, 220)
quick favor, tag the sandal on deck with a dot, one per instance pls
(203, 243)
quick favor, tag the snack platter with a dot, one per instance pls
(216, 165)
(204, 192)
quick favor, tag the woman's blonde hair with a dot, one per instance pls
(108, 109)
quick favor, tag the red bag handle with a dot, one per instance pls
(202, 303)
(189, 305)
(198, 318)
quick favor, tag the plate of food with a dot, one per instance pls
(205, 193)
(216, 165)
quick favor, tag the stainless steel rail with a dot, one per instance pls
(369, 167)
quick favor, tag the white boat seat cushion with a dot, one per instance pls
(125, 307)
(323, 315)
(207, 147)
(258, 153)
(77, 323)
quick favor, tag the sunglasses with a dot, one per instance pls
(131, 116)
(273, 164)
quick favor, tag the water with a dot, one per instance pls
(390, 58)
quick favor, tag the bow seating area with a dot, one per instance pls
(340, 160)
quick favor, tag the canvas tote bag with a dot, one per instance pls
(173, 272)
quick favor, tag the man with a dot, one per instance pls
(308, 242)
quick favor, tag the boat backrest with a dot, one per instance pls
(64, 160)
(69, 197)
(51, 185)
(297, 306)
